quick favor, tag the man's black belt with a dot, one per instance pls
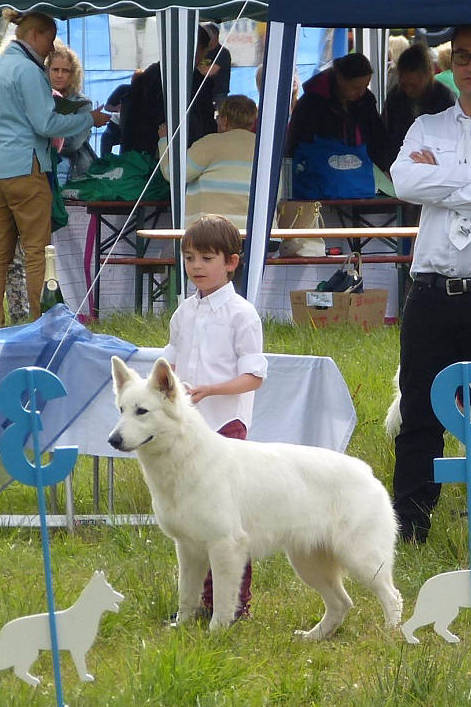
(450, 285)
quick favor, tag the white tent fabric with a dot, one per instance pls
(177, 30)
(274, 105)
(373, 43)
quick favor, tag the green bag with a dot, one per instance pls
(59, 215)
(119, 178)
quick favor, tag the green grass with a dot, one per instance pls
(139, 660)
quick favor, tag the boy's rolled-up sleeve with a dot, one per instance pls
(249, 349)
(256, 364)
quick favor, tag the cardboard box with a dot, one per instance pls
(322, 308)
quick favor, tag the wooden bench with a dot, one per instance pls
(163, 289)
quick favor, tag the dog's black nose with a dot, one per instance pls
(115, 440)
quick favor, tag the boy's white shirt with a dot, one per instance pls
(214, 339)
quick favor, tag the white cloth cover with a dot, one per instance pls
(304, 400)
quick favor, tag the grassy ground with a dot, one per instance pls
(139, 660)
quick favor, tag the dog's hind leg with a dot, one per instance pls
(193, 564)
(375, 573)
(321, 571)
(441, 625)
(228, 559)
(24, 663)
(409, 627)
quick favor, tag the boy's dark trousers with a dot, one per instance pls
(236, 430)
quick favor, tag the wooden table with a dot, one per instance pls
(391, 234)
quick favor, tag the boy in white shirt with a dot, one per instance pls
(216, 343)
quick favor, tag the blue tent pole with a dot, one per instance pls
(275, 98)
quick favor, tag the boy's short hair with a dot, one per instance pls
(213, 233)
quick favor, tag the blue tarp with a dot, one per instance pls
(365, 13)
(52, 338)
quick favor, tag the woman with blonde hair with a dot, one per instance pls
(27, 122)
(65, 70)
(66, 76)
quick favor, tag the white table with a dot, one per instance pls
(304, 400)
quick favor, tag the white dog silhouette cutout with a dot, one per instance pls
(77, 627)
(438, 603)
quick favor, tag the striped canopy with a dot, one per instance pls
(284, 17)
(219, 10)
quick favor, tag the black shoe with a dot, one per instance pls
(414, 530)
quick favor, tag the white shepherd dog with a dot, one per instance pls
(225, 500)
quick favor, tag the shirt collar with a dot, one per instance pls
(458, 112)
(38, 59)
(218, 298)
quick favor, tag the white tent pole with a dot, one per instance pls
(177, 30)
(274, 106)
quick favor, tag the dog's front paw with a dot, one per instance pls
(219, 621)
(184, 615)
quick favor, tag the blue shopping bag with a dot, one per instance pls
(329, 169)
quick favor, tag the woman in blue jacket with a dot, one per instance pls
(27, 122)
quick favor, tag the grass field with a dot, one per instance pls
(139, 660)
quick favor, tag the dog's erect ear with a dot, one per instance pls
(162, 378)
(120, 372)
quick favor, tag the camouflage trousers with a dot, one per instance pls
(15, 290)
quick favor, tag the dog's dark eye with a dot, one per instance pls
(141, 411)
(121, 410)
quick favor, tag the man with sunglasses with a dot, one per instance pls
(433, 169)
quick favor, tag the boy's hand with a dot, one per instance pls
(200, 392)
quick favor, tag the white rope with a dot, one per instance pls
(115, 242)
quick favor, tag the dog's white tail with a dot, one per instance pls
(393, 419)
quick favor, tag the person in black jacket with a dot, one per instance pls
(337, 104)
(221, 70)
(416, 93)
(142, 109)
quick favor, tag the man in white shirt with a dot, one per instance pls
(433, 169)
